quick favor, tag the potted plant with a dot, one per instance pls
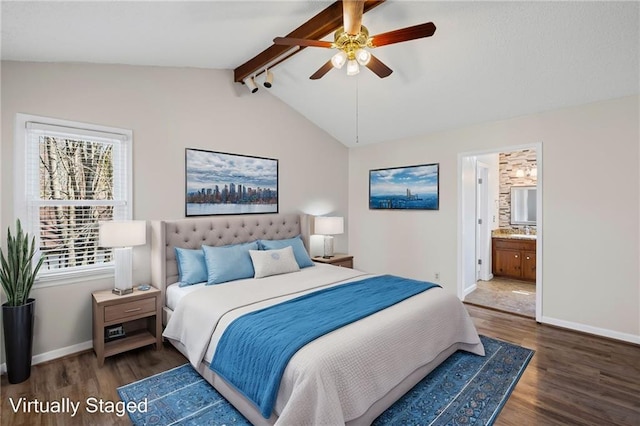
(17, 274)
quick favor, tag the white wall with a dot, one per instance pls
(591, 208)
(168, 109)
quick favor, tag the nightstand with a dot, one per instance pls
(338, 259)
(122, 323)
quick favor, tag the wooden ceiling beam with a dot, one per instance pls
(321, 25)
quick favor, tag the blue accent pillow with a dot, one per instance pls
(228, 263)
(299, 252)
(192, 268)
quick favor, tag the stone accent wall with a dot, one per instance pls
(509, 164)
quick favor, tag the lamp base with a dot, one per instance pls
(122, 291)
(328, 247)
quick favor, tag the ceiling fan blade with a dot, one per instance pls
(322, 71)
(290, 41)
(352, 11)
(378, 67)
(404, 34)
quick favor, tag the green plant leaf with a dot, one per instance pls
(17, 272)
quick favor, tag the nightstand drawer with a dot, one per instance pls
(124, 310)
(344, 263)
(339, 259)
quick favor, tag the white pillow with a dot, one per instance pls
(273, 262)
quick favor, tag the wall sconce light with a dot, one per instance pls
(251, 84)
(528, 172)
(268, 80)
(328, 226)
(122, 236)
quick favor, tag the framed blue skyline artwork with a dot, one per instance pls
(219, 183)
(405, 188)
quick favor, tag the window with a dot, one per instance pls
(74, 175)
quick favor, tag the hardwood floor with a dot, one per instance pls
(78, 377)
(573, 378)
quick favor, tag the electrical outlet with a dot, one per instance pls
(437, 275)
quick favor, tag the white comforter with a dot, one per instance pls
(337, 377)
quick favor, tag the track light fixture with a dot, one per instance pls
(268, 79)
(251, 84)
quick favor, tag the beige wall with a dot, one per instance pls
(591, 233)
(168, 109)
(591, 201)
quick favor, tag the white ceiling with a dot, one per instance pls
(487, 60)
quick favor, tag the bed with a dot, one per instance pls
(348, 376)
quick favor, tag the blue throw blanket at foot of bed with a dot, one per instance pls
(255, 349)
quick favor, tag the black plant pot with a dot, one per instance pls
(18, 338)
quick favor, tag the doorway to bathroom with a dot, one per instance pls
(500, 250)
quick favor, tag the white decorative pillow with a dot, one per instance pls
(273, 262)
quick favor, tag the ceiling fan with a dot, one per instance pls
(353, 41)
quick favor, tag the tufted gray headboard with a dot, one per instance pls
(215, 231)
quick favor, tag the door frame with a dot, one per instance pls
(483, 233)
(466, 257)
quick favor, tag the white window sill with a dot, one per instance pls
(75, 277)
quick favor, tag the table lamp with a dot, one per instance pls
(329, 226)
(122, 236)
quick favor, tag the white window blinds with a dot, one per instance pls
(75, 176)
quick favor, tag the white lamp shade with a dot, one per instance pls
(352, 67)
(329, 225)
(339, 59)
(127, 233)
(363, 57)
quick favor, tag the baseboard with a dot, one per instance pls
(603, 332)
(470, 290)
(57, 353)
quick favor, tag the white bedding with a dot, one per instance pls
(175, 293)
(337, 377)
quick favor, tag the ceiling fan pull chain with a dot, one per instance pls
(357, 115)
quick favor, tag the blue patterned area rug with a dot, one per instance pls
(464, 390)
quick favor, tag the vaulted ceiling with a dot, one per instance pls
(487, 60)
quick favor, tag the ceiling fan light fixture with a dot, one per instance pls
(363, 56)
(339, 59)
(352, 67)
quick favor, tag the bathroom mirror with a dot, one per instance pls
(523, 205)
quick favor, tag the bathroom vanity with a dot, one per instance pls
(514, 256)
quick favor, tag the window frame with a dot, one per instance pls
(20, 191)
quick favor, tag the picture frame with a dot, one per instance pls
(220, 183)
(405, 188)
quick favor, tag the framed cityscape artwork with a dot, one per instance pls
(219, 183)
(405, 188)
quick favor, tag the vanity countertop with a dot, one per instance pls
(515, 234)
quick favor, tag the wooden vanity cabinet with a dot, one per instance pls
(514, 258)
(529, 264)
